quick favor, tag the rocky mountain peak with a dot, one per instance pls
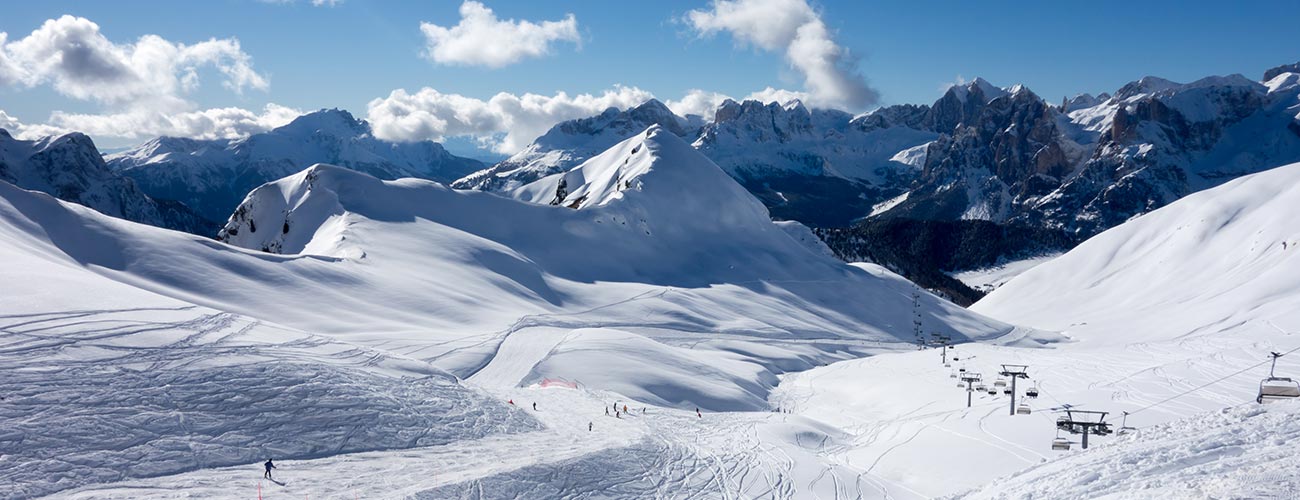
(1285, 68)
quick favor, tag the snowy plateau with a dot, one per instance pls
(621, 317)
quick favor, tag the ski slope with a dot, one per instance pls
(395, 345)
(196, 360)
(1170, 317)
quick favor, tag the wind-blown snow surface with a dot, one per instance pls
(1246, 452)
(103, 381)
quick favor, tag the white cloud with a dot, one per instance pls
(326, 3)
(142, 86)
(705, 103)
(831, 77)
(70, 54)
(506, 122)
(480, 39)
(215, 123)
(697, 102)
(8, 122)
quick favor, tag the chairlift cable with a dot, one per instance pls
(1212, 382)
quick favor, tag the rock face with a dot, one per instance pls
(70, 168)
(214, 176)
(1019, 160)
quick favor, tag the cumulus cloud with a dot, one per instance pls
(505, 122)
(215, 123)
(704, 103)
(831, 77)
(71, 55)
(142, 86)
(481, 39)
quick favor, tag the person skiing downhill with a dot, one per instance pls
(269, 466)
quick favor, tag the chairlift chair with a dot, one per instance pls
(1000, 383)
(1023, 409)
(1032, 391)
(1061, 444)
(993, 391)
(952, 375)
(1275, 388)
(961, 384)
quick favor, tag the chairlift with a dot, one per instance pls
(1032, 391)
(993, 391)
(952, 375)
(1023, 409)
(981, 387)
(1061, 444)
(1123, 426)
(961, 384)
(1275, 388)
(1001, 382)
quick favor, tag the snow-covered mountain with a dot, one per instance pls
(1098, 162)
(212, 176)
(664, 251)
(70, 168)
(572, 142)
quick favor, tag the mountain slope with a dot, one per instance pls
(213, 176)
(70, 168)
(102, 381)
(660, 243)
(1223, 258)
(572, 142)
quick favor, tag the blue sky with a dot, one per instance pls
(351, 53)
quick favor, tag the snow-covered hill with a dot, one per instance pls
(102, 381)
(1218, 260)
(214, 175)
(650, 239)
(70, 168)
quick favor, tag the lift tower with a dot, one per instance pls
(970, 378)
(1015, 372)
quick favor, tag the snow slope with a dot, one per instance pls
(1246, 452)
(1217, 260)
(1172, 316)
(103, 381)
(661, 245)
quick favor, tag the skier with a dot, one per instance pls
(534, 406)
(589, 426)
(606, 411)
(697, 413)
(512, 402)
(269, 466)
(624, 408)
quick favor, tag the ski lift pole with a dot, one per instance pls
(1015, 372)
